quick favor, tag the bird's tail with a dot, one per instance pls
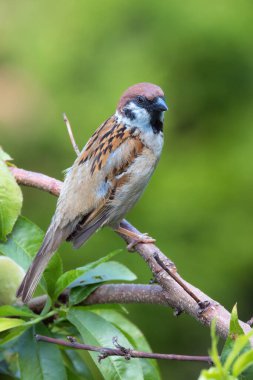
(50, 244)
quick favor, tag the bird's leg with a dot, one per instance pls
(137, 239)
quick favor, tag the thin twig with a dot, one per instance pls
(119, 350)
(201, 304)
(71, 136)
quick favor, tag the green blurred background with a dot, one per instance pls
(78, 57)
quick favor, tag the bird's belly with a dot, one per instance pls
(128, 194)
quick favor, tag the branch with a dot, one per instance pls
(175, 295)
(119, 350)
(37, 180)
(111, 293)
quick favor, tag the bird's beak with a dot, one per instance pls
(160, 105)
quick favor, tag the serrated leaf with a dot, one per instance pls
(39, 360)
(95, 330)
(135, 337)
(9, 323)
(23, 244)
(67, 278)
(10, 201)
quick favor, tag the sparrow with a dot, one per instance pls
(107, 178)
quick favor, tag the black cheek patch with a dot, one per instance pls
(129, 114)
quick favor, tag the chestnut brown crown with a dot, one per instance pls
(148, 90)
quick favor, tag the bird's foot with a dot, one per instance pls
(140, 239)
(136, 238)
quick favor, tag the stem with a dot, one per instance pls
(128, 353)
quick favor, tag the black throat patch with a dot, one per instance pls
(155, 121)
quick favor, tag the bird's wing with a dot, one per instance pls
(108, 159)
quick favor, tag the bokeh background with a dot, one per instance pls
(77, 57)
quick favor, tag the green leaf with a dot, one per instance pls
(9, 335)
(8, 364)
(243, 362)
(235, 327)
(95, 330)
(214, 374)
(9, 323)
(235, 343)
(75, 363)
(67, 278)
(135, 337)
(110, 271)
(214, 351)
(23, 244)
(52, 272)
(39, 360)
(14, 311)
(100, 261)
(4, 156)
(234, 331)
(10, 200)
(104, 272)
(80, 293)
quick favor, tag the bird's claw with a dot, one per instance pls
(142, 239)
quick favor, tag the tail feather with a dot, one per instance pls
(80, 237)
(36, 269)
(52, 240)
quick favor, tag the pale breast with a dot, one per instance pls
(127, 195)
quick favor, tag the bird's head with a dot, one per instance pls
(143, 105)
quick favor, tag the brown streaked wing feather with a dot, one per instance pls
(99, 216)
(105, 140)
(92, 145)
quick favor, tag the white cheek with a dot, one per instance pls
(141, 120)
(141, 115)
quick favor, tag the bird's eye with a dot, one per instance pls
(140, 99)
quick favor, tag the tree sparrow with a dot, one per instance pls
(107, 178)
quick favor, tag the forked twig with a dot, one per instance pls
(119, 350)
